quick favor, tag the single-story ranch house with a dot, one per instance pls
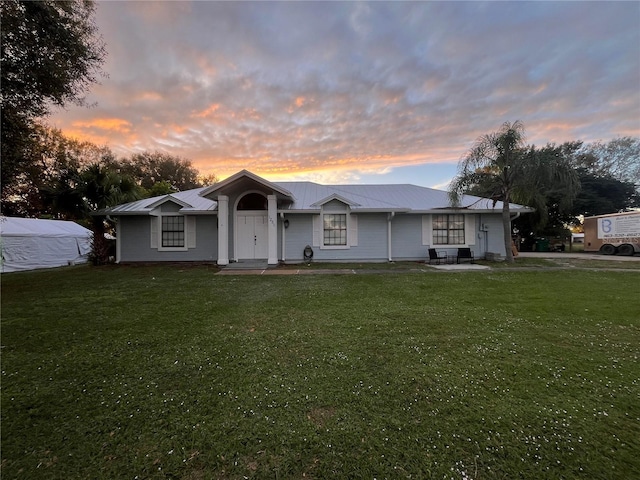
(247, 217)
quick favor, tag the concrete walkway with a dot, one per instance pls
(350, 271)
(465, 266)
(289, 271)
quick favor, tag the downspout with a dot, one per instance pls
(283, 239)
(389, 218)
(486, 236)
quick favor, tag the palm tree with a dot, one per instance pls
(503, 168)
(104, 187)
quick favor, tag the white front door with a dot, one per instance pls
(252, 235)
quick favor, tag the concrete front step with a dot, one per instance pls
(247, 265)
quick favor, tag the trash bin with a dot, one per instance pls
(542, 244)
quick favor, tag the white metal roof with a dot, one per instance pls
(190, 200)
(393, 197)
(309, 196)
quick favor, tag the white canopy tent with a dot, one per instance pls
(29, 243)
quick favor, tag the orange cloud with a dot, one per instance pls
(247, 114)
(83, 136)
(302, 102)
(173, 128)
(207, 112)
(102, 131)
(110, 124)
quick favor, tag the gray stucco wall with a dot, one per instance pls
(492, 239)
(296, 237)
(406, 238)
(135, 246)
(372, 240)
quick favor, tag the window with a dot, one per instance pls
(253, 201)
(335, 229)
(173, 231)
(448, 230)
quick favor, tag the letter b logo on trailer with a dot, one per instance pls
(623, 226)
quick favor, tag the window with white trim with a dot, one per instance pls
(448, 229)
(334, 229)
(173, 231)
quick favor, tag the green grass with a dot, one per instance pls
(172, 372)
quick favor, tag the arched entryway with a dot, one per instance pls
(251, 221)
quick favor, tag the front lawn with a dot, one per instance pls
(175, 372)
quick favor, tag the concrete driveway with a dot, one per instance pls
(581, 256)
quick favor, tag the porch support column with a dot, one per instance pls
(223, 230)
(272, 204)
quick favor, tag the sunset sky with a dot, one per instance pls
(383, 92)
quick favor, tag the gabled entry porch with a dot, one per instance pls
(247, 208)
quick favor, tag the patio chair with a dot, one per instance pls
(465, 254)
(435, 256)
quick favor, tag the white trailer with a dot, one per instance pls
(616, 233)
